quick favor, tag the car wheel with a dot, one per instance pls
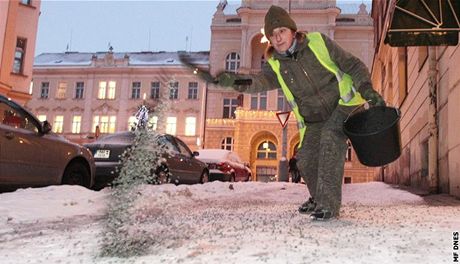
(204, 177)
(232, 177)
(249, 177)
(76, 174)
(162, 175)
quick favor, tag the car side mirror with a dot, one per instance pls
(46, 127)
(196, 153)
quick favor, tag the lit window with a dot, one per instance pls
(19, 54)
(232, 62)
(25, 2)
(190, 126)
(76, 124)
(227, 143)
(132, 121)
(61, 90)
(192, 90)
(102, 90)
(171, 123)
(58, 124)
(106, 92)
(106, 124)
(41, 118)
(266, 150)
(153, 122)
(111, 92)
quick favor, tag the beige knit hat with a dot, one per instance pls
(277, 17)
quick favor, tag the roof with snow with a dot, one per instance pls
(160, 58)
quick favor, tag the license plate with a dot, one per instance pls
(102, 154)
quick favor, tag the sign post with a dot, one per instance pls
(283, 173)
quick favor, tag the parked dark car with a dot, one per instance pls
(31, 155)
(181, 163)
(225, 165)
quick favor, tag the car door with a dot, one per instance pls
(240, 170)
(21, 148)
(190, 169)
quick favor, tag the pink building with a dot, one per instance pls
(424, 82)
(18, 32)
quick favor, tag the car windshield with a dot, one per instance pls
(126, 137)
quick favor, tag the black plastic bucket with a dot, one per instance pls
(374, 134)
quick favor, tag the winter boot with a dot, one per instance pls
(322, 215)
(308, 206)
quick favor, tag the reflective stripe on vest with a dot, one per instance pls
(348, 94)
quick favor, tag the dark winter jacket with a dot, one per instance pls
(314, 88)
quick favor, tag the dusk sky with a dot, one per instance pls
(129, 26)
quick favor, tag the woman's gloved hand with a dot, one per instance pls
(374, 98)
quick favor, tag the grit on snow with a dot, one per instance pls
(244, 222)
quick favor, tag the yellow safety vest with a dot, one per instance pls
(348, 94)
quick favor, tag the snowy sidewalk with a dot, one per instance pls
(249, 223)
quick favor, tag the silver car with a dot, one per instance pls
(31, 155)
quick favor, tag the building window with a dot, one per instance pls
(106, 124)
(266, 150)
(44, 90)
(136, 90)
(227, 143)
(282, 104)
(347, 180)
(192, 90)
(132, 122)
(232, 62)
(190, 126)
(230, 106)
(259, 101)
(154, 90)
(105, 92)
(173, 90)
(348, 154)
(19, 54)
(79, 90)
(58, 124)
(41, 118)
(171, 123)
(26, 2)
(76, 124)
(61, 90)
(266, 173)
(153, 122)
(402, 73)
(425, 158)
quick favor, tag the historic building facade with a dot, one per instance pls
(18, 32)
(253, 129)
(86, 94)
(424, 83)
(81, 94)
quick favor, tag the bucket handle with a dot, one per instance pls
(366, 106)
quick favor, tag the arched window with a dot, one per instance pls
(266, 150)
(232, 62)
(227, 143)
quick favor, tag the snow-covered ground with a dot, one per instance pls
(219, 222)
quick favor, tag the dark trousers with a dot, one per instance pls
(321, 161)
